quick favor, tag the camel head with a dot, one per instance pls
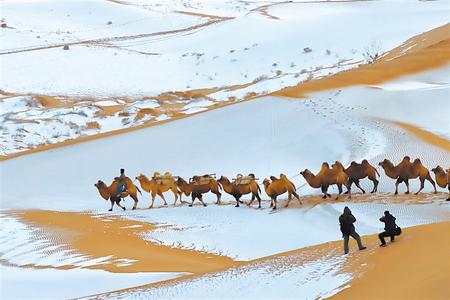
(337, 165)
(325, 165)
(223, 179)
(305, 173)
(438, 169)
(141, 177)
(102, 189)
(385, 163)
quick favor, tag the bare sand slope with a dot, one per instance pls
(120, 239)
(416, 266)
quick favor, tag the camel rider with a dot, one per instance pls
(122, 185)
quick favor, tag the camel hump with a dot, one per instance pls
(167, 174)
(354, 163)
(273, 178)
(417, 161)
(156, 174)
(325, 165)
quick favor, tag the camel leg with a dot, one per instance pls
(274, 203)
(219, 196)
(153, 199)
(237, 200)
(375, 184)
(432, 182)
(175, 194)
(193, 196)
(112, 204)
(357, 184)
(289, 199)
(162, 196)
(200, 197)
(136, 200)
(407, 186)
(448, 197)
(118, 204)
(399, 180)
(251, 200)
(339, 189)
(259, 200)
(422, 184)
(297, 196)
(350, 186)
(324, 189)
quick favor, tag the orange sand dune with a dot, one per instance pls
(417, 266)
(103, 236)
(428, 50)
(427, 136)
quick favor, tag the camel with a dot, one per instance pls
(356, 171)
(327, 177)
(238, 190)
(442, 178)
(110, 192)
(195, 188)
(406, 170)
(278, 187)
(158, 188)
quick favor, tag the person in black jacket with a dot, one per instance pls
(390, 228)
(346, 221)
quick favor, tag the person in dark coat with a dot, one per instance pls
(346, 221)
(121, 185)
(390, 228)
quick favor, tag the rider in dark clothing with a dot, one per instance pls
(390, 228)
(121, 185)
(346, 221)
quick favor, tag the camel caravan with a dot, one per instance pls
(274, 187)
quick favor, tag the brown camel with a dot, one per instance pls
(278, 187)
(110, 192)
(238, 190)
(442, 178)
(406, 170)
(327, 177)
(356, 171)
(198, 186)
(158, 187)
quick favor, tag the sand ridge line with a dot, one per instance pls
(425, 135)
(429, 50)
(100, 41)
(92, 236)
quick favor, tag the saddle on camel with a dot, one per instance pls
(202, 180)
(167, 178)
(242, 180)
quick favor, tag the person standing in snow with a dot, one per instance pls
(390, 228)
(346, 221)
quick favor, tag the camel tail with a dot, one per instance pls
(259, 189)
(139, 190)
(377, 172)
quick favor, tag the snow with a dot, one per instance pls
(279, 278)
(242, 233)
(263, 47)
(409, 85)
(53, 283)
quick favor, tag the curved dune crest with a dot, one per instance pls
(429, 50)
